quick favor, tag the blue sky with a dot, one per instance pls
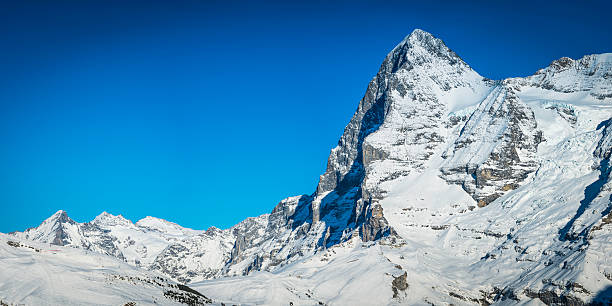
(207, 112)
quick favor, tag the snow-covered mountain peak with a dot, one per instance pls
(595, 61)
(161, 225)
(213, 230)
(424, 39)
(107, 219)
(154, 222)
(421, 48)
(60, 217)
(417, 36)
(590, 74)
(56, 221)
(400, 122)
(59, 212)
(58, 229)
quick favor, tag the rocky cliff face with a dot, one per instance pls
(398, 126)
(496, 147)
(440, 177)
(400, 115)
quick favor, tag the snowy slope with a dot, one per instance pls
(445, 188)
(37, 274)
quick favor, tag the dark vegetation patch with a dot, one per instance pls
(16, 244)
(188, 297)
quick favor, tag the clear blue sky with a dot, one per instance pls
(207, 112)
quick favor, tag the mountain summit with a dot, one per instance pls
(58, 229)
(445, 188)
(420, 45)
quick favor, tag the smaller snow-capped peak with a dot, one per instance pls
(594, 61)
(58, 229)
(591, 73)
(213, 231)
(161, 225)
(59, 217)
(107, 219)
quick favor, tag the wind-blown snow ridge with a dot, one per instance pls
(445, 188)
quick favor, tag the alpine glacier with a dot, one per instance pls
(445, 188)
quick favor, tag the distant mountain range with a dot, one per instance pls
(445, 188)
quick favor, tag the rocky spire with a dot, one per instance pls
(419, 48)
(395, 130)
(417, 66)
(55, 229)
(59, 217)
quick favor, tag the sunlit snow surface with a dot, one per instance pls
(34, 273)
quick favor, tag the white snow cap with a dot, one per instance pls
(59, 216)
(106, 218)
